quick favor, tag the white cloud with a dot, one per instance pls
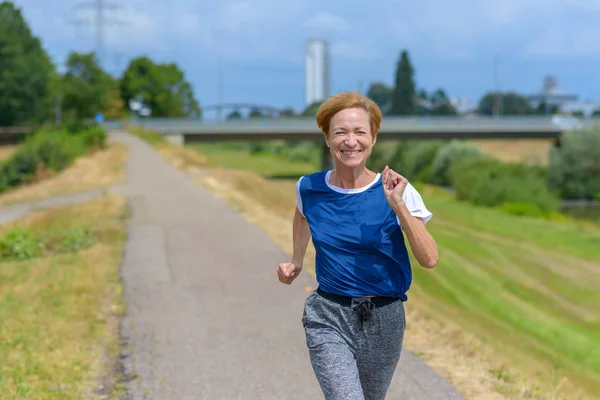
(273, 31)
(560, 43)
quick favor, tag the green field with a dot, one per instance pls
(231, 156)
(527, 288)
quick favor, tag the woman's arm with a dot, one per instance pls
(421, 242)
(301, 233)
(288, 271)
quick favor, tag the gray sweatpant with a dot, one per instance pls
(353, 360)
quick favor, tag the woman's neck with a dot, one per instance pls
(351, 178)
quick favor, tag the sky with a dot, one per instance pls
(262, 43)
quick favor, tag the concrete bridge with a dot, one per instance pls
(392, 128)
(184, 131)
(301, 129)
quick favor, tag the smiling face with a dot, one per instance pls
(350, 139)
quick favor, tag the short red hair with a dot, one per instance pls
(344, 100)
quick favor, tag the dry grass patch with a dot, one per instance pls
(529, 151)
(100, 169)
(185, 159)
(59, 329)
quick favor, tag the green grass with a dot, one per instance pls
(528, 288)
(234, 156)
(56, 330)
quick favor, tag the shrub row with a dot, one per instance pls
(574, 166)
(46, 152)
(573, 172)
(516, 188)
(477, 178)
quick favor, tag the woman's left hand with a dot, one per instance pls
(394, 185)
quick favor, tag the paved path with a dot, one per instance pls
(207, 318)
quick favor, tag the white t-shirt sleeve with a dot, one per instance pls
(414, 203)
(299, 197)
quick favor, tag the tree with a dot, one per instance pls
(255, 113)
(440, 104)
(574, 166)
(115, 107)
(26, 72)
(311, 109)
(546, 109)
(234, 116)
(423, 106)
(162, 87)
(510, 103)
(287, 112)
(403, 96)
(381, 94)
(85, 87)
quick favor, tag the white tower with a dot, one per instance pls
(317, 71)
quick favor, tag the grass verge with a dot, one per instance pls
(512, 310)
(99, 169)
(59, 336)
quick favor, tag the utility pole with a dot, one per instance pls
(496, 93)
(100, 22)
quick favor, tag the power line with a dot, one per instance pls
(100, 21)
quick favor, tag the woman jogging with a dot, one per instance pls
(358, 220)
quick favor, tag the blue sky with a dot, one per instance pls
(262, 42)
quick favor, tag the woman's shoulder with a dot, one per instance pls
(312, 179)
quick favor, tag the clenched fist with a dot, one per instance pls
(287, 272)
(394, 185)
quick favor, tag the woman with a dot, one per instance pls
(354, 321)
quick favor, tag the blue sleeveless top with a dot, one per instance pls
(360, 247)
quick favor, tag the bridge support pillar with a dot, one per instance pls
(326, 159)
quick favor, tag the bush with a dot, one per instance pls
(47, 151)
(255, 147)
(303, 152)
(517, 188)
(414, 160)
(447, 156)
(93, 137)
(76, 239)
(574, 166)
(21, 244)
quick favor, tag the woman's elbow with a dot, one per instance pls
(430, 261)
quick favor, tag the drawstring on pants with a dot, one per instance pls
(363, 307)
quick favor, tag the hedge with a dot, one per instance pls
(516, 188)
(574, 166)
(48, 151)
